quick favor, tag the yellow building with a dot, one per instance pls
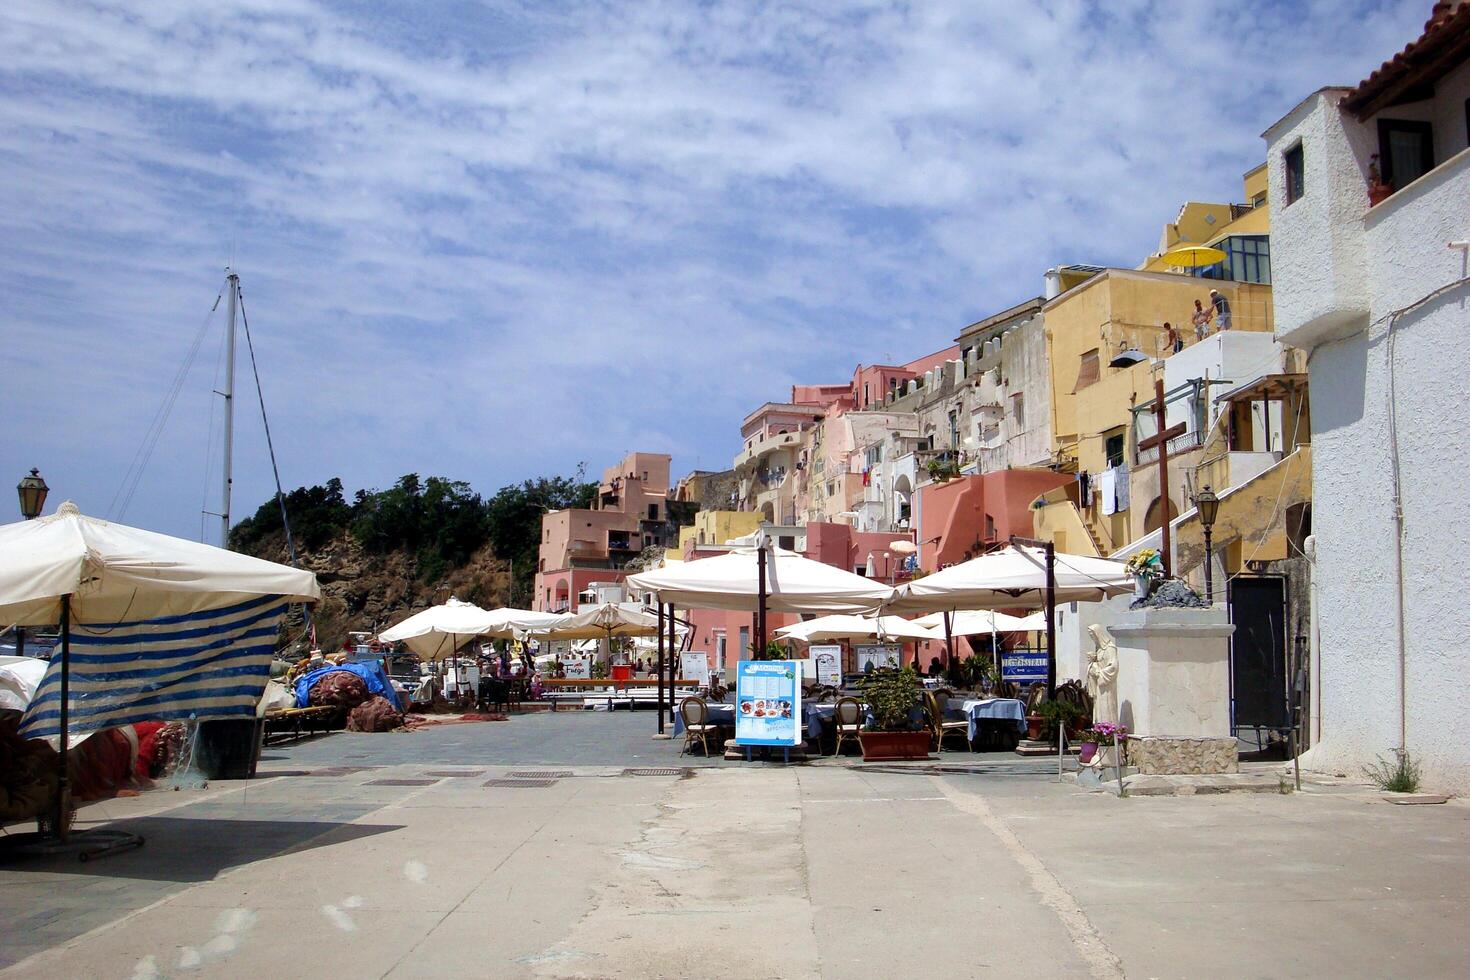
(1109, 342)
(717, 527)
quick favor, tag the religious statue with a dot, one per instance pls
(1102, 675)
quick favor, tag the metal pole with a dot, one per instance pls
(228, 394)
(63, 783)
(673, 661)
(1051, 619)
(661, 668)
(949, 640)
(760, 612)
(1209, 571)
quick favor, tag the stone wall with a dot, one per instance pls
(1155, 756)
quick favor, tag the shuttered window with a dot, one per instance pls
(1087, 373)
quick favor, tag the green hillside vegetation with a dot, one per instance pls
(438, 523)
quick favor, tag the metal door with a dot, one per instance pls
(1258, 653)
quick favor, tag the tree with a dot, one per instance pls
(514, 517)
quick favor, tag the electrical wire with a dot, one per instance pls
(270, 446)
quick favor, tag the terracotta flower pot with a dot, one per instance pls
(1034, 724)
(879, 746)
(1089, 749)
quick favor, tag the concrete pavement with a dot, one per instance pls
(824, 870)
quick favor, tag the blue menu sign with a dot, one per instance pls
(1023, 666)
(768, 702)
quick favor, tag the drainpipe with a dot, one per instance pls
(1309, 546)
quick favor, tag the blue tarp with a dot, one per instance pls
(371, 673)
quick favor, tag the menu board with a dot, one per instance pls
(694, 667)
(768, 703)
(879, 655)
(829, 664)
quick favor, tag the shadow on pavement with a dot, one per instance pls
(186, 850)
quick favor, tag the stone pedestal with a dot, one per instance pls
(1174, 690)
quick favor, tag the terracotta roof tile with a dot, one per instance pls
(1448, 23)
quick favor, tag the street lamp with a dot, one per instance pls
(1208, 506)
(32, 491)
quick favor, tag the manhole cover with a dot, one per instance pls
(521, 783)
(455, 773)
(343, 770)
(543, 774)
(653, 772)
(264, 774)
(402, 782)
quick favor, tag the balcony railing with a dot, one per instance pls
(1182, 443)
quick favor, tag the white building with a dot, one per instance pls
(1379, 294)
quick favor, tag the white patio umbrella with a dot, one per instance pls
(439, 631)
(1029, 574)
(978, 622)
(846, 627)
(761, 579)
(602, 621)
(508, 623)
(1014, 576)
(171, 628)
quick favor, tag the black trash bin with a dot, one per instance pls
(229, 748)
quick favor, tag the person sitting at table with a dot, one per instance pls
(935, 668)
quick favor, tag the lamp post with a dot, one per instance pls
(32, 492)
(1208, 506)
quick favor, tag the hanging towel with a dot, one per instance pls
(1105, 490)
(1120, 488)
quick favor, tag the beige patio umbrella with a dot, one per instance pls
(840, 627)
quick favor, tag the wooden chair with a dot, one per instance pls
(940, 728)
(695, 713)
(848, 718)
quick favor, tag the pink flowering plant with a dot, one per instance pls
(1105, 733)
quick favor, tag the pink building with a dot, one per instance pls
(579, 547)
(969, 515)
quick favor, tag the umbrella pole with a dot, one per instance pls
(661, 661)
(949, 640)
(1051, 617)
(63, 784)
(995, 648)
(673, 661)
(760, 612)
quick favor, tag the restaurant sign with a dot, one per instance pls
(878, 655)
(694, 667)
(768, 702)
(1023, 666)
(828, 658)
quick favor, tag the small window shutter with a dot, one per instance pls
(1087, 374)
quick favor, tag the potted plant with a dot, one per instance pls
(1103, 734)
(1054, 714)
(1378, 190)
(891, 732)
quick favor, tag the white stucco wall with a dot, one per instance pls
(1404, 259)
(1322, 287)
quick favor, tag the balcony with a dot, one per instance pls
(766, 446)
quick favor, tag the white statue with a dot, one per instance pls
(1102, 675)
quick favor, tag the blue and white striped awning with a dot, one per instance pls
(204, 665)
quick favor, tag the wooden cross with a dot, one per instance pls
(1161, 439)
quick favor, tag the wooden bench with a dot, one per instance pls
(289, 724)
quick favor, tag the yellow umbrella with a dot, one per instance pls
(1192, 256)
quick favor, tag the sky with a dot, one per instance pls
(491, 241)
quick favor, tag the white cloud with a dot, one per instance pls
(492, 243)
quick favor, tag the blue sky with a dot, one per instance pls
(488, 241)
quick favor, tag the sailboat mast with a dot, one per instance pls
(233, 284)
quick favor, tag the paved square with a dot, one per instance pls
(831, 869)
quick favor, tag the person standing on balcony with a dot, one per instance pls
(1201, 321)
(1220, 310)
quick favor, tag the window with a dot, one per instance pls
(954, 429)
(1018, 409)
(1405, 151)
(865, 394)
(1113, 447)
(1087, 372)
(786, 542)
(989, 527)
(1247, 259)
(653, 512)
(1296, 173)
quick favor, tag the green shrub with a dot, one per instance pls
(1399, 775)
(891, 695)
